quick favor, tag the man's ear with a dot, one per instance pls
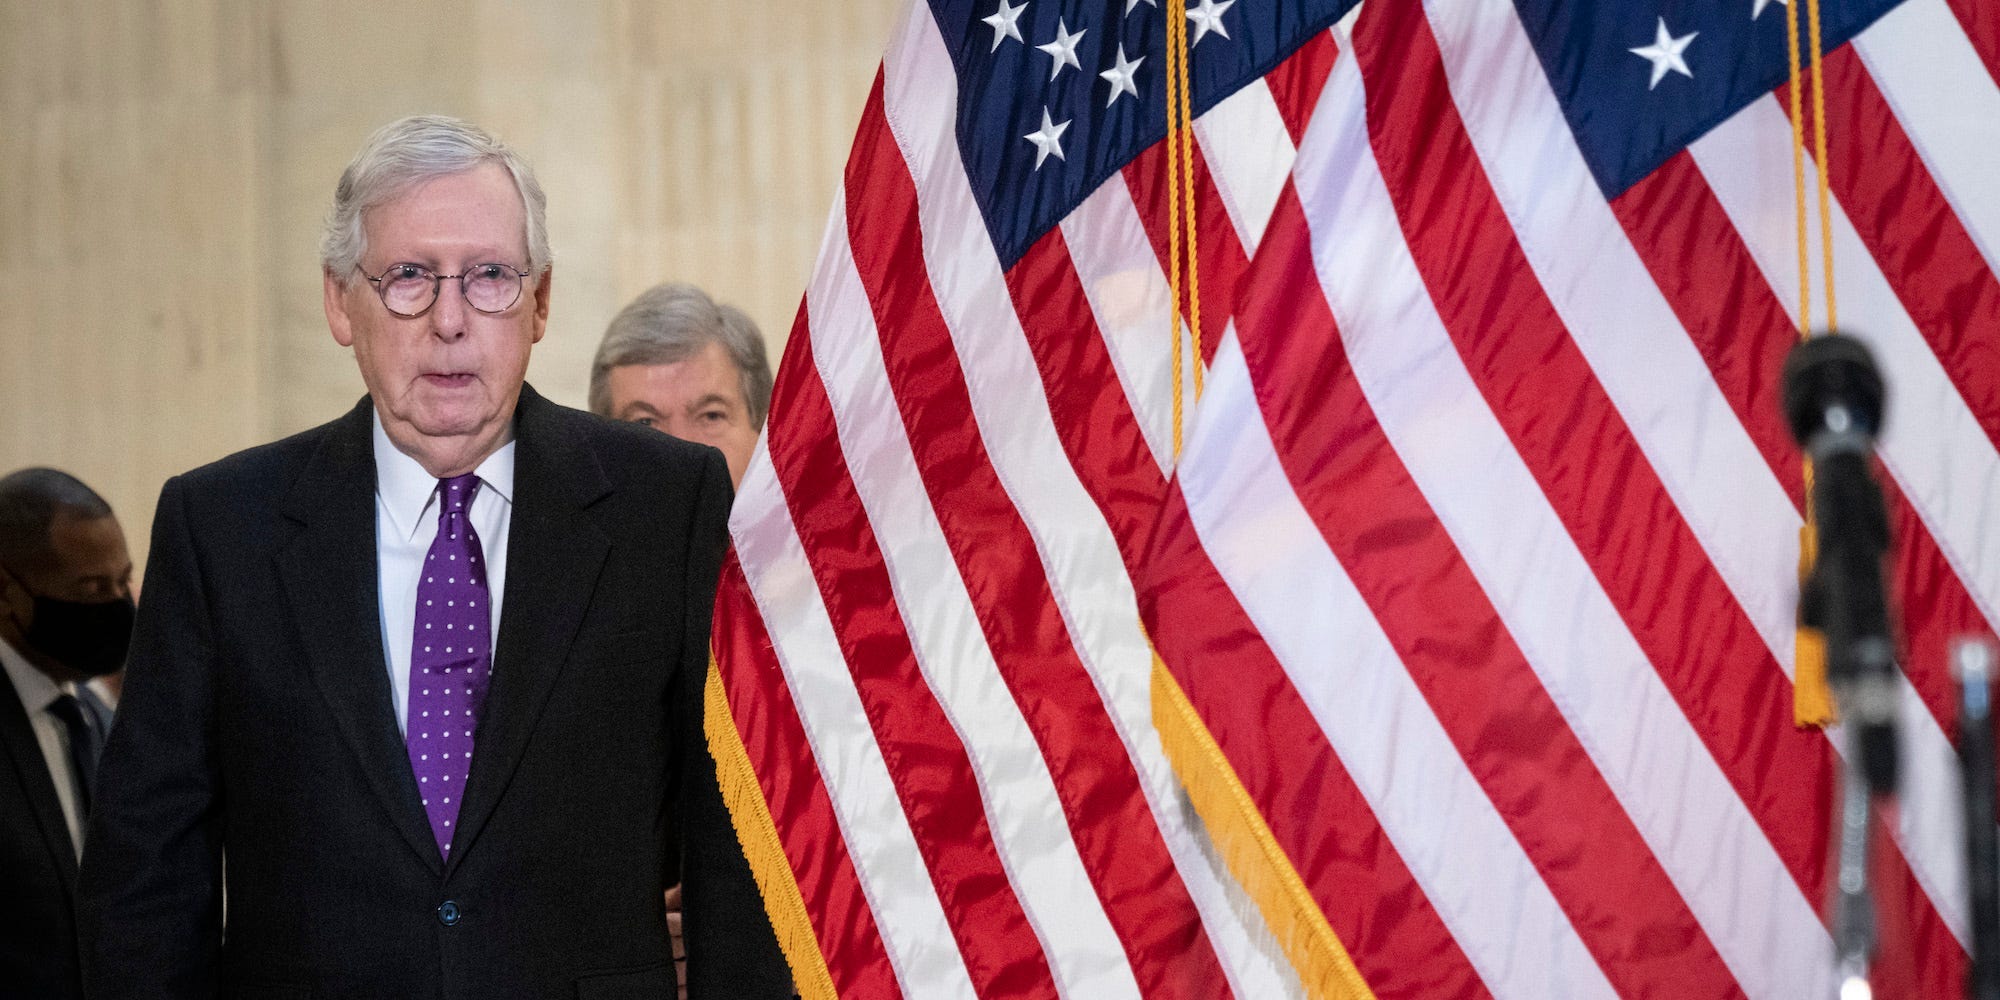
(335, 295)
(542, 289)
(13, 593)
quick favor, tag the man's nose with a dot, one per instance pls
(449, 313)
(680, 427)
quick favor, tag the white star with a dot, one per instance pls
(1665, 54)
(1063, 49)
(1123, 76)
(1758, 10)
(1047, 139)
(1207, 18)
(1002, 22)
(1131, 5)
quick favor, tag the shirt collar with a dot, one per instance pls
(37, 690)
(406, 490)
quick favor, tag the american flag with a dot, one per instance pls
(1479, 567)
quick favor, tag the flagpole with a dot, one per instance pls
(1973, 664)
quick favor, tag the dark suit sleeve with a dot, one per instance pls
(150, 895)
(732, 951)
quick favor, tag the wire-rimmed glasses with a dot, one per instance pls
(409, 290)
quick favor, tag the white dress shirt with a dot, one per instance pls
(406, 522)
(38, 691)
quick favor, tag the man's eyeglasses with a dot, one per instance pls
(409, 290)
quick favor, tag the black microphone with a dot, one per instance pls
(1833, 398)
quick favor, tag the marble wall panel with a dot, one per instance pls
(165, 167)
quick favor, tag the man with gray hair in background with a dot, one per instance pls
(676, 361)
(425, 683)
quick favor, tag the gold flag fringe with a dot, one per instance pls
(1249, 849)
(758, 833)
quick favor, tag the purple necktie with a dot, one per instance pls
(451, 658)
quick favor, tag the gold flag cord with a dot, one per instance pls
(1812, 702)
(1183, 259)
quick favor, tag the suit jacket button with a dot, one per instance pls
(448, 913)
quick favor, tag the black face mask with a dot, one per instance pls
(91, 639)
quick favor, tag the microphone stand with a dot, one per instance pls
(1853, 904)
(1833, 401)
(1845, 599)
(1973, 663)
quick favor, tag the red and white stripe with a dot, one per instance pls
(1480, 562)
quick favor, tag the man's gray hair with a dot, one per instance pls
(405, 153)
(672, 322)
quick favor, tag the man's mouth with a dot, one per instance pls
(448, 380)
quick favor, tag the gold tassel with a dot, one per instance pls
(1812, 700)
(751, 816)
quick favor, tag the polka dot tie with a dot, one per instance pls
(451, 659)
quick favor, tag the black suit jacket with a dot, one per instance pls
(38, 946)
(257, 748)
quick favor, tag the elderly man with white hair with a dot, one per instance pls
(414, 701)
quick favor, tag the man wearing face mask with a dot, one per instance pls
(65, 618)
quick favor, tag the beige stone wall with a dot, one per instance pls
(164, 167)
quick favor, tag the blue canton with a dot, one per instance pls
(1639, 81)
(1054, 96)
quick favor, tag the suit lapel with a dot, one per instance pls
(554, 555)
(17, 740)
(330, 577)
